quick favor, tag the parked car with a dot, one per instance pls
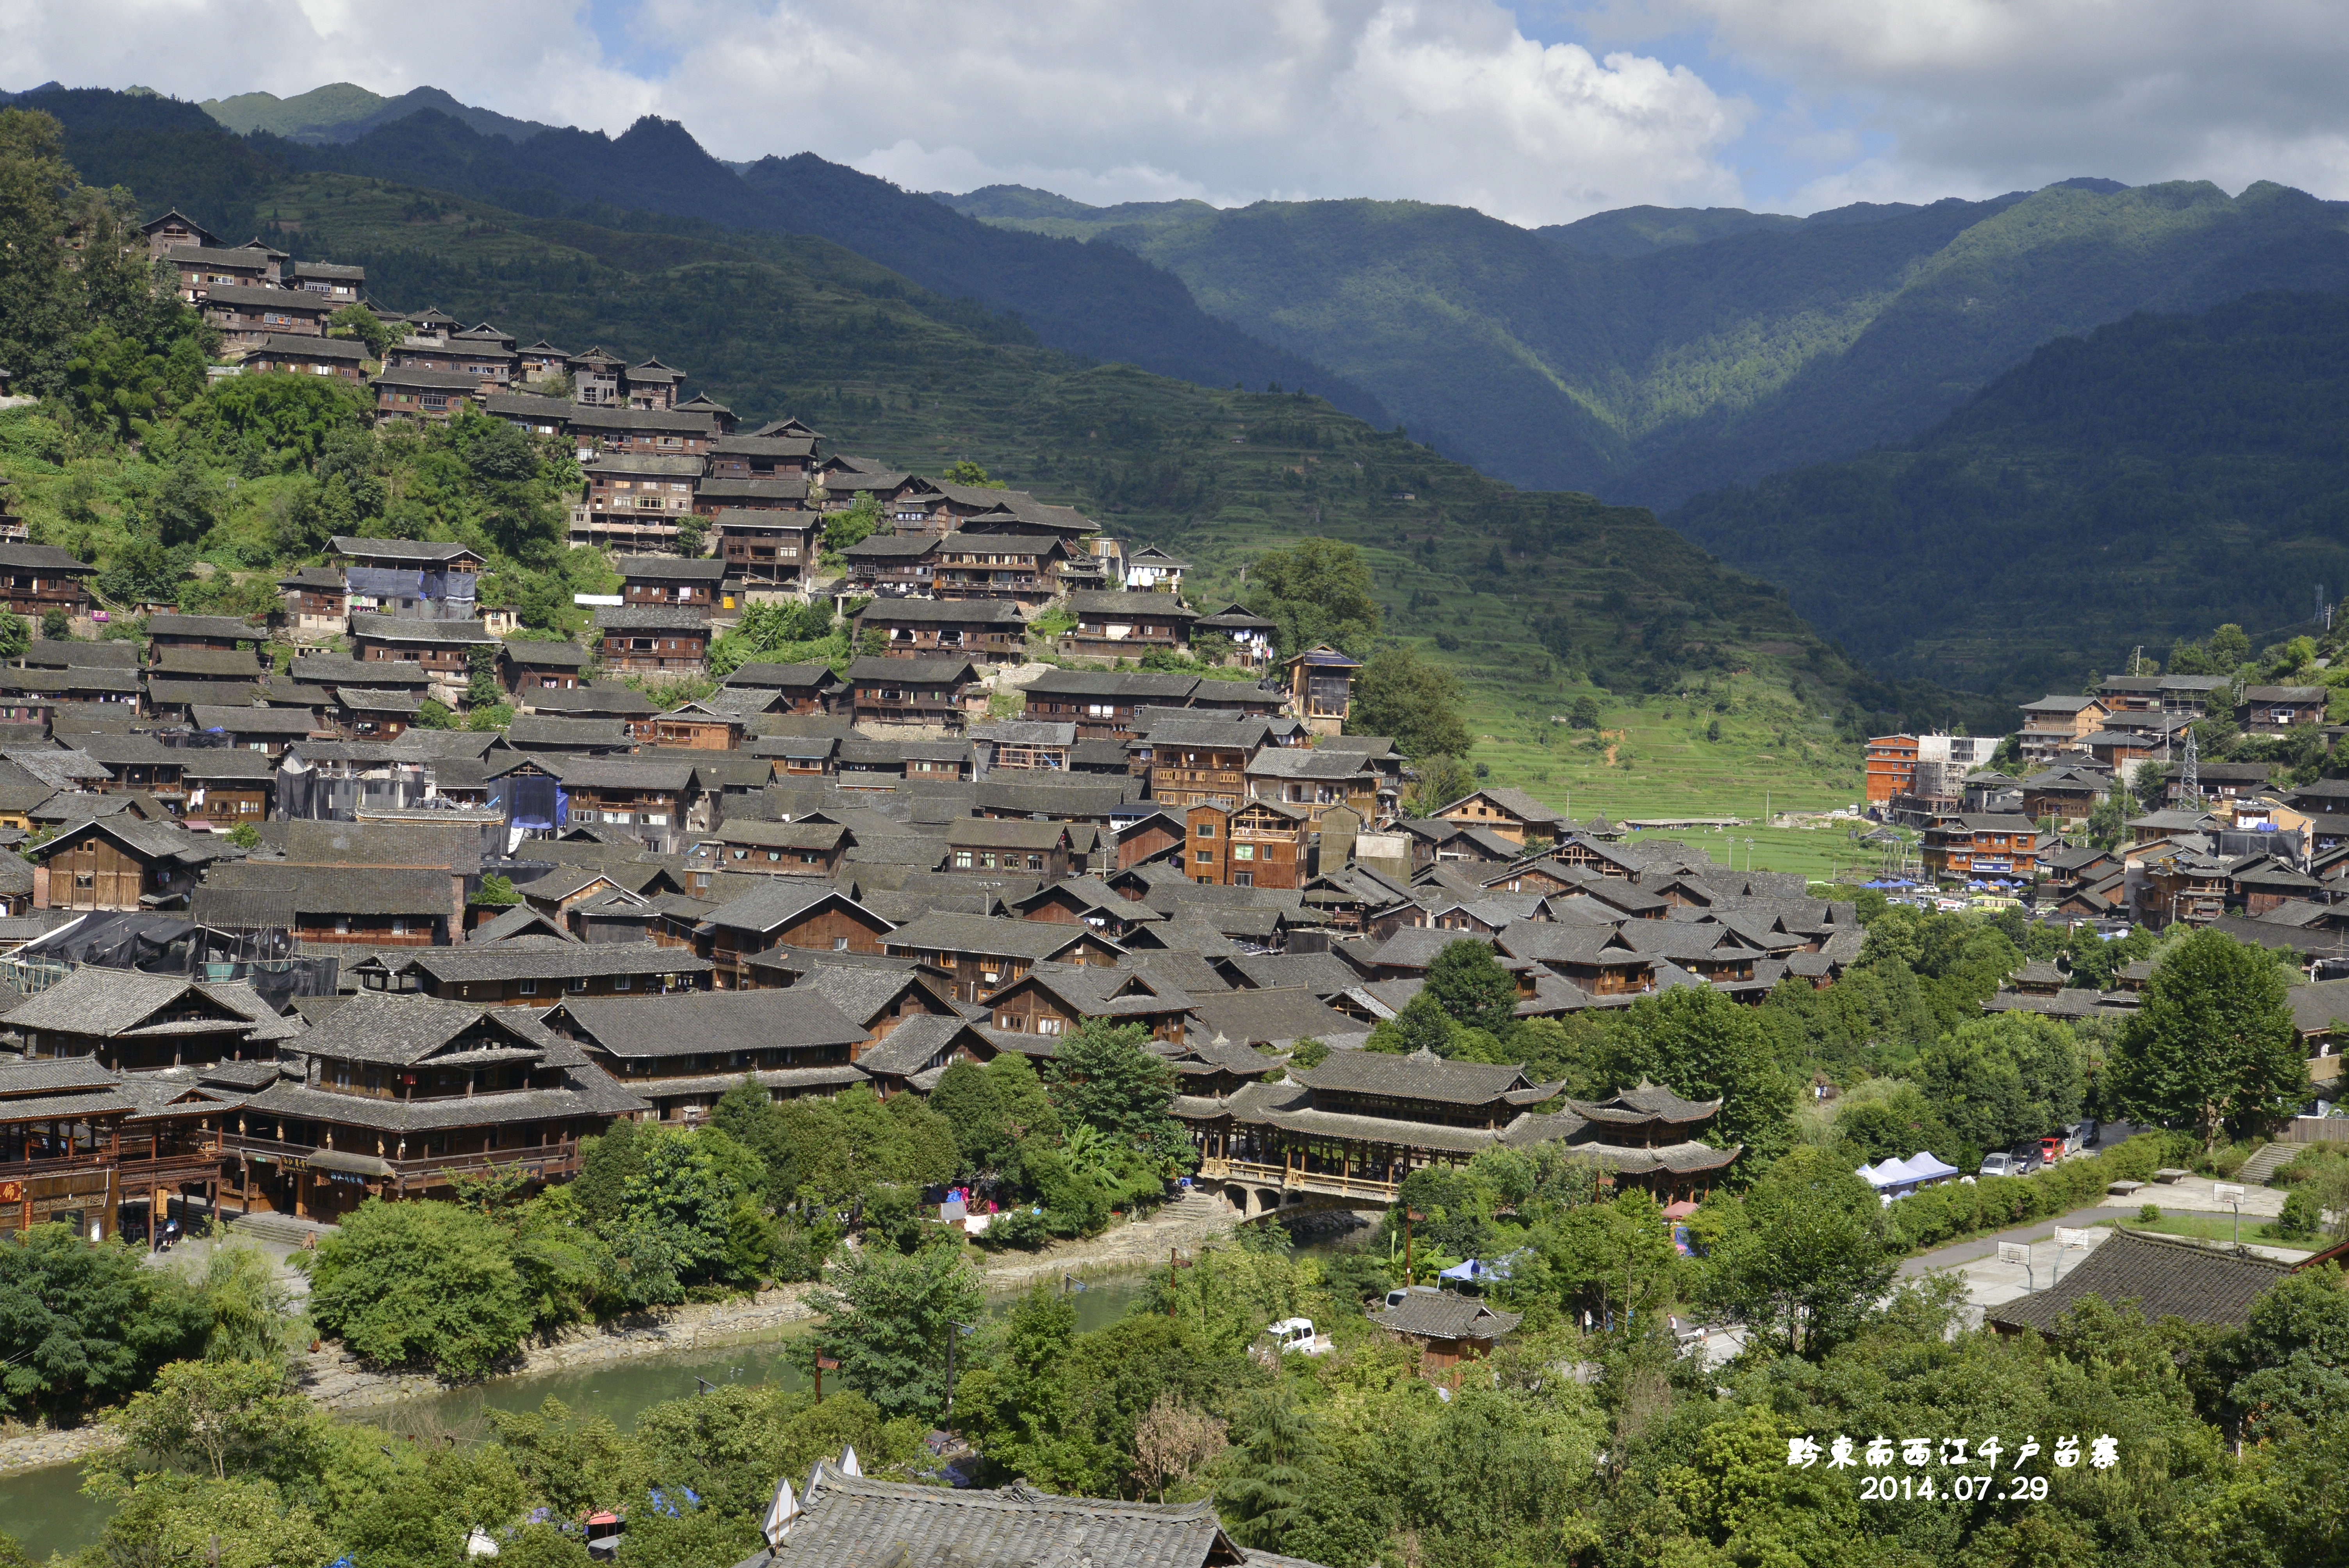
(2090, 1129)
(2027, 1156)
(2053, 1148)
(1295, 1336)
(1998, 1165)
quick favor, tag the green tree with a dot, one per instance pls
(1420, 1025)
(15, 635)
(83, 1325)
(1440, 780)
(356, 322)
(56, 626)
(1703, 1045)
(1415, 704)
(2211, 1047)
(255, 1314)
(2288, 1365)
(1104, 1075)
(36, 287)
(1468, 983)
(965, 472)
(497, 889)
(688, 1216)
(221, 1416)
(1584, 714)
(1318, 590)
(1805, 1266)
(183, 507)
(888, 1319)
(420, 1284)
(2015, 1075)
(858, 522)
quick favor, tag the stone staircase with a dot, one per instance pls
(283, 1229)
(2259, 1168)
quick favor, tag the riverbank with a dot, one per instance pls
(337, 1381)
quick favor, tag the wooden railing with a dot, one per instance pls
(1290, 1178)
(552, 1158)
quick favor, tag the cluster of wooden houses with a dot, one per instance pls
(255, 957)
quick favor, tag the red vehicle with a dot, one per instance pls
(2051, 1150)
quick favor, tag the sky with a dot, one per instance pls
(1539, 111)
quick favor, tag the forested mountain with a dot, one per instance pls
(1649, 355)
(1105, 303)
(342, 111)
(1533, 599)
(2161, 476)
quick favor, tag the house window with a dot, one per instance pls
(1243, 851)
(1205, 829)
(1244, 879)
(578, 984)
(1048, 1025)
(1205, 857)
(840, 944)
(526, 988)
(962, 859)
(399, 927)
(624, 982)
(342, 926)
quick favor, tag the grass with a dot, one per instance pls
(2211, 1228)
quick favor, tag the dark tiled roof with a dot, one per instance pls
(856, 1523)
(708, 1021)
(1029, 939)
(2165, 1277)
(1275, 1017)
(506, 960)
(1422, 1075)
(1445, 1315)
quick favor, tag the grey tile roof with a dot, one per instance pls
(772, 676)
(293, 723)
(2164, 1276)
(858, 1522)
(666, 569)
(940, 612)
(914, 1045)
(1446, 1314)
(910, 672)
(417, 629)
(709, 1021)
(553, 653)
(1276, 1018)
(99, 1001)
(614, 701)
(509, 961)
(1029, 939)
(780, 902)
(651, 618)
(1422, 1075)
(42, 652)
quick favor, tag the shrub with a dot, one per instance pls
(1021, 1227)
(2298, 1220)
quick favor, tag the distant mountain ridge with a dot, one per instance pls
(1650, 353)
(2161, 476)
(345, 111)
(1103, 304)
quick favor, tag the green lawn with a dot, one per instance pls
(2211, 1228)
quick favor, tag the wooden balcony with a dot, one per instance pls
(542, 1160)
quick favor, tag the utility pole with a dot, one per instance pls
(2193, 779)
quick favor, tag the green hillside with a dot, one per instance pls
(1650, 354)
(2161, 476)
(1533, 599)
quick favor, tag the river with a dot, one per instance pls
(45, 1510)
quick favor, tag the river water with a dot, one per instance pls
(45, 1510)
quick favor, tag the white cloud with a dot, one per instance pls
(1233, 100)
(1976, 96)
(1439, 100)
(1467, 101)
